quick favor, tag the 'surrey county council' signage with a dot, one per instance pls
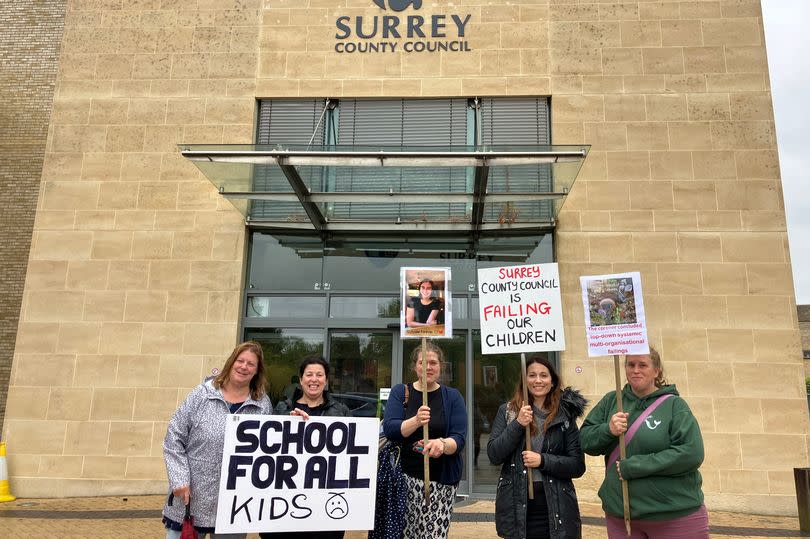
(281, 473)
(401, 33)
(520, 309)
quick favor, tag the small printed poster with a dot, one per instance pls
(614, 314)
(426, 307)
(520, 310)
(284, 474)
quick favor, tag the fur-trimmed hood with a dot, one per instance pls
(573, 403)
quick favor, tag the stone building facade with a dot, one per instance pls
(135, 280)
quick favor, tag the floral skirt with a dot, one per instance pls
(431, 521)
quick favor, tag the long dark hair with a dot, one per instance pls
(551, 402)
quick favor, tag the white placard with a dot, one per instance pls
(281, 473)
(614, 314)
(426, 308)
(520, 309)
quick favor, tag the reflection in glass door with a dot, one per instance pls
(361, 367)
(283, 351)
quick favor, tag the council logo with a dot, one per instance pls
(400, 32)
(399, 5)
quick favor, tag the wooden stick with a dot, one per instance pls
(622, 447)
(528, 427)
(426, 456)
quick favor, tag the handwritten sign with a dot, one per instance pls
(520, 309)
(614, 314)
(280, 473)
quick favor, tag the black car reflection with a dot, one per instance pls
(359, 404)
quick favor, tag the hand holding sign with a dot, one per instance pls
(618, 423)
(525, 416)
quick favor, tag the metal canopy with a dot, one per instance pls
(396, 190)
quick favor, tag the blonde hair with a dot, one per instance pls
(258, 381)
(655, 357)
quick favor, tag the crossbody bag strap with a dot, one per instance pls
(614, 456)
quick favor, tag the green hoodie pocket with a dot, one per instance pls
(651, 496)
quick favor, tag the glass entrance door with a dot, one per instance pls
(362, 369)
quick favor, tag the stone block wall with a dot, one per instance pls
(133, 285)
(29, 49)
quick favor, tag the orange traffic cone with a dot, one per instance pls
(5, 492)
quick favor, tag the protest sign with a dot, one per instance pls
(520, 309)
(281, 473)
(426, 307)
(614, 314)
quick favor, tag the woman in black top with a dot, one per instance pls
(311, 399)
(424, 309)
(446, 419)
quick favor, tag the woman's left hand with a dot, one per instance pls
(434, 448)
(532, 459)
(299, 412)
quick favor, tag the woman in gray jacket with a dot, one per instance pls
(194, 439)
(555, 458)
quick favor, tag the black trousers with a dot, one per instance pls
(537, 514)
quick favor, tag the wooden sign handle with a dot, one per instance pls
(425, 426)
(529, 475)
(622, 446)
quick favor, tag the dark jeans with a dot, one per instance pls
(537, 514)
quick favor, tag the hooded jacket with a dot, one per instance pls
(562, 460)
(193, 446)
(331, 407)
(663, 456)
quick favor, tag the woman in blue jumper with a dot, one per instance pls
(446, 418)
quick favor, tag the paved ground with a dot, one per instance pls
(139, 516)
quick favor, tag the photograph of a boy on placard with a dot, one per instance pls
(425, 303)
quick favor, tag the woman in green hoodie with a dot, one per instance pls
(664, 452)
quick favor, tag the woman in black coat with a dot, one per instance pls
(556, 458)
(311, 399)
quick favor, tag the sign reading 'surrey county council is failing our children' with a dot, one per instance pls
(520, 309)
(281, 473)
